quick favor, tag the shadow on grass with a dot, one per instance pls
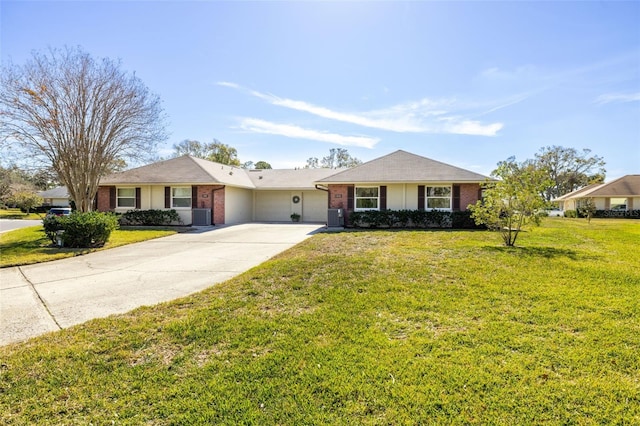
(544, 252)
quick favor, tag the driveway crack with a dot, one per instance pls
(44, 304)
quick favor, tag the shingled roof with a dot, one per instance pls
(283, 179)
(182, 170)
(402, 166)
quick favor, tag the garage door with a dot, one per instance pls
(314, 206)
(273, 206)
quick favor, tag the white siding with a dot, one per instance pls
(273, 206)
(314, 206)
(238, 205)
(396, 197)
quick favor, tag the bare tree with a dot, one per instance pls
(337, 158)
(78, 115)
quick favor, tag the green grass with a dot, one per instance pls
(421, 327)
(30, 245)
(17, 214)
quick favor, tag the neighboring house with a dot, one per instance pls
(233, 195)
(56, 197)
(403, 181)
(621, 194)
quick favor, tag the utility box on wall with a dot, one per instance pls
(200, 217)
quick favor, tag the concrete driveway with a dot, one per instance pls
(11, 224)
(36, 299)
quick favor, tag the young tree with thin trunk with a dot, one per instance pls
(78, 115)
(513, 200)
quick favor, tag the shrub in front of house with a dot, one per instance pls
(81, 230)
(52, 224)
(150, 217)
(570, 213)
(420, 219)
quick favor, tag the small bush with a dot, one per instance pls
(570, 213)
(52, 225)
(81, 230)
(150, 217)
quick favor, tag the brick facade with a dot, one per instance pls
(212, 197)
(469, 193)
(338, 196)
(103, 199)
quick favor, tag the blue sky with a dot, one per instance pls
(467, 83)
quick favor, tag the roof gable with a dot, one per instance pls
(625, 186)
(182, 170)
(402, 166)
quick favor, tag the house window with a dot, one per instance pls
(367, 198)
(438, 197)
(126, 197)
(181, 196)
(618, 204)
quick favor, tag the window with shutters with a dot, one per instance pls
(438, 197)
(367, 198)
(126, 197)
(181, 197)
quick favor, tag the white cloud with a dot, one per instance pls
(422, 116)
(617, 97)
(291, 131)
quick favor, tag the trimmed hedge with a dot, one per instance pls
(81, 230)
(150, 217)
(421, 219)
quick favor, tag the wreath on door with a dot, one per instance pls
(295, 199)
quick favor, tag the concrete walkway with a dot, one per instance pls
(36, 299)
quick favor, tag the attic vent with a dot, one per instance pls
(230, 173)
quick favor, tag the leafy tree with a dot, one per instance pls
(25, 200)
(513, 200)
(215, 151)
(78, 115)
(337, 158)
(262, 165)
(569, 169)
(44, 179)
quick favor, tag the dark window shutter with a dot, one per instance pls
(383, 197)
(194, 197)
(138, 197)
(480, 194)
(167, 197)
(456, 197)
(420, 197)
(350, 197)
(112, 197)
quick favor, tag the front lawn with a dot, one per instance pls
(17, 214)
(369, 327)
(30, 245)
